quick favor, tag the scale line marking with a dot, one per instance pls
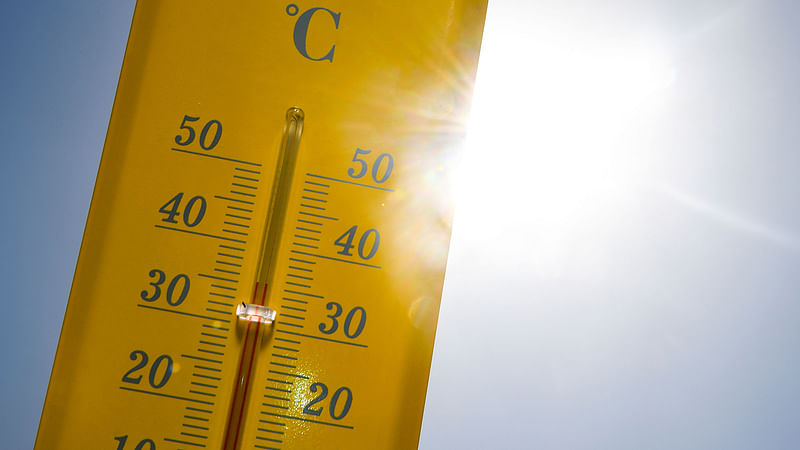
(285, 315)
(214, 335)
(198, 410)
(239, 209)
(220, 303)
(206, 376)
(286, 348)
(202, 234)
(236, 224)
(223, 287)
(289, 374)
(166, 395)
(336, 259)
(216, 278)
(279, 390)
(195, 418)
(207, 155)
(194, 435)
(350, 182)
(318, 337)
(317, 215)
(300, 276)
(230, 256)
(184, 442)
(203, 393)
(303, 293)
(289, 366)
(234, 200)
(308, 420)
(308, 221)
(318, 184)
(201, 359)
(182, 313)
(273, 423)
(302, 261)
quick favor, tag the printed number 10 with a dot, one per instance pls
(145, 444)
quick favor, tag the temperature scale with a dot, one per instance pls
(264, 255)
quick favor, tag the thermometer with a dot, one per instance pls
(264, 255)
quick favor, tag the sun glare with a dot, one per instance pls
(543, 157)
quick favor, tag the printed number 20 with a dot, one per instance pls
(343, 394)
(155, 380)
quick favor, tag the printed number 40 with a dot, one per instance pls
(191, 215)
(366, 250)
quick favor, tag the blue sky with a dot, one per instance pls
(623, 275)
(61, 62)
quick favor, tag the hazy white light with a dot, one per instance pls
(543, 159)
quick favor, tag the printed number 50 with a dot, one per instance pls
(378, 173)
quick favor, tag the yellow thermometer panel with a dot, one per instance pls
(264, 255)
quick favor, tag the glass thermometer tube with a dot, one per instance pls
(265, 271)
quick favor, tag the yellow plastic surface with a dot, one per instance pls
(399, 83)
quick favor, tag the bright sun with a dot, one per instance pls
(543, 157)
